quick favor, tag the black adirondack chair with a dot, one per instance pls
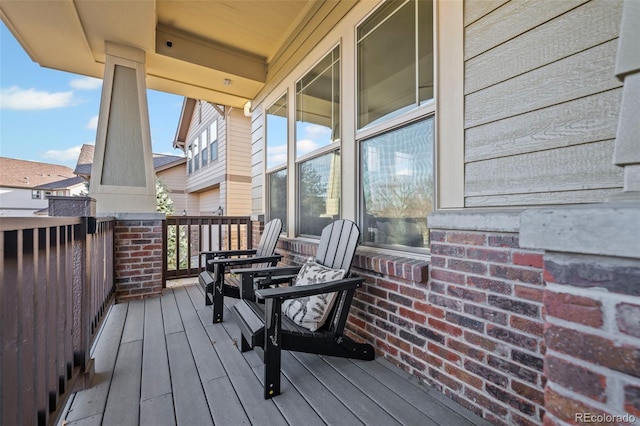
(267, 330)
(216, 280)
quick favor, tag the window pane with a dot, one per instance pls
(205, 156)
(319, 193)
(425, 50)
(214, 150)
(213, 140)
(318, 105)
(397, 180)
(277, 133)
(213, 131)
(386, 62)
(278, 196)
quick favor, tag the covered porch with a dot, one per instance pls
(161, 361)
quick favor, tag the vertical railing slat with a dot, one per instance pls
(27, 332)
(9, 325)
(40, 311)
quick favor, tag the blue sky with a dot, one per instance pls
(46, 115)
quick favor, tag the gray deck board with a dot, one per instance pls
(156, 379)
(188, 393)
(123, 403)
(170, 314)
(92, 401)
(327, 405)
(158, 411)
(368, 411)
(133, 329)
(163, 362)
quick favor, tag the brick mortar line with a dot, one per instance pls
(604, 407)
(485, 364)
(620, 338)
(603, 371)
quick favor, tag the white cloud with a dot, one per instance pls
(316, 130)
(276, 159)
(92, 124)
(86, 83)
(32, 99)
(65, 154)
(277, 154)
(305, 146)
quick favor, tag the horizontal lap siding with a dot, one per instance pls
(257, 160)
(238, 185)
(541, 103)
(214, 170)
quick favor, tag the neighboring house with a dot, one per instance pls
(168, 168)
(217, 144)
(25, 186)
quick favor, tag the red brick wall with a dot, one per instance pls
(472, 326)
(592, 336)
(478, 335)
(138, 258)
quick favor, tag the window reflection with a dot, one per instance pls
(319, 193)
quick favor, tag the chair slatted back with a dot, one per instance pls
(336, 250)
(268, 240)
(338, 244)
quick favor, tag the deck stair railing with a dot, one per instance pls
(187, 236)
(56, 284)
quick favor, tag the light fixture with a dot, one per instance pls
(220, 211)
(247, 109)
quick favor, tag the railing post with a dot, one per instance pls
(82, 290)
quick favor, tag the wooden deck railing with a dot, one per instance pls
(56, 283)
(187, 236)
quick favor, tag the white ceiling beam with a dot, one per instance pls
(183, 46)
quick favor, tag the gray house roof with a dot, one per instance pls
(62, 184)
(16, 173)
(85, 161)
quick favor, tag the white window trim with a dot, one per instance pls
(449, 109)
(449, 125)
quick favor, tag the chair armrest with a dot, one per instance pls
(244, 260)
(226, 253)
(268, 271)
(293, 292)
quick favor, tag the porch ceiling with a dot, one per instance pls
(210, 41)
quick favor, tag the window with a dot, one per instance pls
(318, 105)
(278, 196)
(395, 60)
(317, 145)
(189, 161)
(205, 153)
(319, 193)
(213, 140)
(395, 76)
(35, 194)
(276, 159)
(397, 185)
(196, 154)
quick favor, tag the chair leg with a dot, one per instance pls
(244, 345)
(272, 348)
(218, 301)
(207, 291)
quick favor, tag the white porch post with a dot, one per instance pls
(122, 176)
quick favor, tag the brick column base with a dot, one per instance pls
(138, 244)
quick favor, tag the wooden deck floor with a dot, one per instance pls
(162, 362)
